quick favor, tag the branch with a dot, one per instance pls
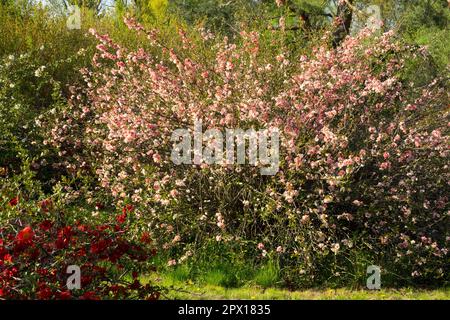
(344, 16)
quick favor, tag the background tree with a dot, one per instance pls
(63, 5)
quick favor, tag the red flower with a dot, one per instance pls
(65, 295)
(25, 235)
(81, 252)
(121, 218)
(128, 208)
(42, 271)
(145, 238)
(99, 246)
(64, 236)
(14, 201)
(102, 228)
(99, 270)
(44, 293)
(46, 225)
(89, 295)
(86, 280)
(46, 205)
(7, 258)
(82, 228)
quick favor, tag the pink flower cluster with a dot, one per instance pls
(359, 146)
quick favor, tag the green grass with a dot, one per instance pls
(268, 275)
(189, 290)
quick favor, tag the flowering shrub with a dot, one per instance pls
(364, 152)
(34, 259)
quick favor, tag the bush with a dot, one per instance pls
(363, 150)
(35, 253)
(40, 60)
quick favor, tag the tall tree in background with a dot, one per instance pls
(147, 9)
(350, 15)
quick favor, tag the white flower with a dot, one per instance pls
(335, 248)
(39, 71)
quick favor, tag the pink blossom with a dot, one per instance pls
(172, 262)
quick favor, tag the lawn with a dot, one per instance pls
(190, 290)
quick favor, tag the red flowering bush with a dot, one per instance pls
(34, 260)
(364, 151)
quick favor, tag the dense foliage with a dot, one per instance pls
(35, 254)
(359, 148)
(87, 116)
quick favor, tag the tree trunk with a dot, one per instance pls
(344, 21)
